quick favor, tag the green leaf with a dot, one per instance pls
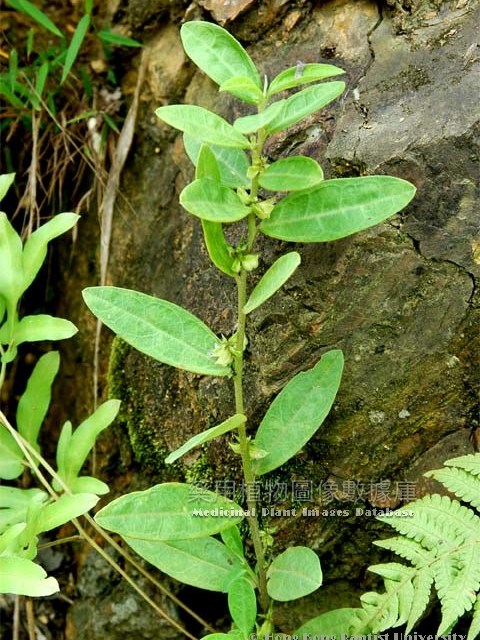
(10, 95)
(6, 181)
(232, 538)
(34, 12)
(207, 165)
(296, 76)
(304, 103)
(298, 411)
(249, 124)
(75, 44)
(42, 76)
(15, 504)
(11, 456)
(272, 280)
(35, 249)
(291, 174)
(117, 39)
(332, 623)
(337, 208)
(204, 562)
(293, 574)
(156, 327)
(83, 439)
(11, 271)
(87, 484)
(9, 542)
(228, 425)
(170, 511)
(217, 53)
(33, 405)
(63, 445)
(63, 510)
(203, 125)
(244, 88)
(232, 163)
(217, 247)
(212, 201)
(242, 604)
(42, 327)
(24, 577)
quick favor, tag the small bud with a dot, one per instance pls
(263, 209)
(244, 195)
(250, 261)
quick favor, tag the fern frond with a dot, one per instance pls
(436, 521)
(463, 484)
(457, 579)
(422, 584)
(395, 573)
(406, 548)
(381, 611)
(474, 630)
(470, 463)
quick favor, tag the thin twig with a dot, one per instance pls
(30, 618)
(16, 618)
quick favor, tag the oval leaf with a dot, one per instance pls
(242, 604)
(302, 74)
(43, 327)
(337, 208)
(87, 484)
(249, 124)
(232, 163)
(298, 411)
(217, 53)
(212, 201)
(228, 425)
(203, 125)
(293, 574)
(272, 280)
(33, 405)
(304, 103)
(156, 327)
(205, 563)
(170, 511)
(63, 510)
(207, 165)
(291, 174)
(25, 578)
(217, 247)
(243, 88)
(332, 623)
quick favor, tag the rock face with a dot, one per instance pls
(400, 300)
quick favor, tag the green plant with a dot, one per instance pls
(53, 106)
(440, 538)
(192, 534)
(27, 513)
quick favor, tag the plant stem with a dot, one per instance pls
(248, 473)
